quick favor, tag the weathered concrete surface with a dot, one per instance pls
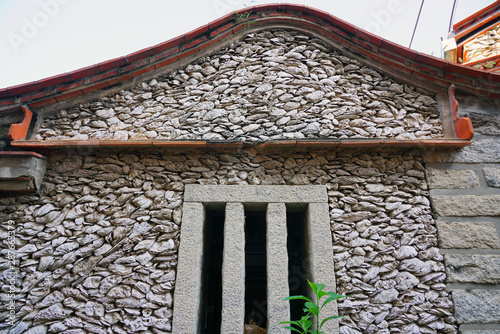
(467, 235)
(466, 205)
(473, 268)
(452, 178)
(477, 306)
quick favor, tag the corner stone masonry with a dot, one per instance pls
(465, 195)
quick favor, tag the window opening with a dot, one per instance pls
(297, 265)
(212, 271)
(307, 212)
(255, 268)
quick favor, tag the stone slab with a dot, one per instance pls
(188, 281)
(21, 173)
(480, 151)
(492, 176)
(472, 268)
(477, 306)
(277, 270)
(466, 205)
(255, 194)
(479, 331)
(233, 270)
(321, 256)
(452, 178)
(468, 235)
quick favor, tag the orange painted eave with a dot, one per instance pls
(105, 75)
(278, 144)
(22, 153)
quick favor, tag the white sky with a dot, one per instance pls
(42, 38)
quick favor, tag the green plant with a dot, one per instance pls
(490, 64)
(482, 66)
(243, 17)
(312, 311)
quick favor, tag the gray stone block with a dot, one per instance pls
(466, 205)
(188, 283)
(467, 235)
(233, 270)
(255, 194)
(492, 176)
(479, 331)
(480, 151)
(472, 268)
(486, 122)
(477, 306)
(452, 179)
(277, 269)
(319, 251)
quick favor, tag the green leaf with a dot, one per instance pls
(297, 297)
(293, 329)
(321, 293)
(316, 287)
(329, 318)
(313, 308)
(332, 297)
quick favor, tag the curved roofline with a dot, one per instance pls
(137, 66)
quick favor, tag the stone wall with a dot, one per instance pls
(98, 246)
(465, 194)
(272, 85)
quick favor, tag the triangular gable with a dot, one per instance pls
(273, 85)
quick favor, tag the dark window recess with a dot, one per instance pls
(298, 270)
(255, 268)
(212, 271)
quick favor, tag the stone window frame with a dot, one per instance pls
(319, 253)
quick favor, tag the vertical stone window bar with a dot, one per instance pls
(233, 270)
(319, 255)
(277, 267)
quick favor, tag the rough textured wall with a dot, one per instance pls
(465, 192)
(98, 246)
(272, 85)
(483, 46)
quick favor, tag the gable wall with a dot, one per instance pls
(273, 85)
